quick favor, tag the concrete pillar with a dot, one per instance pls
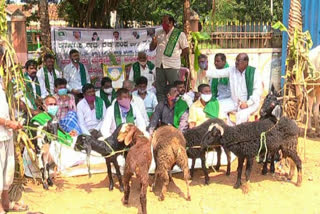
(19, 36)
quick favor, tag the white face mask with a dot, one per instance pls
(107, 90)
(206, 97)
(143, 63)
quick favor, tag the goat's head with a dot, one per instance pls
(212, 136)
(126, 133)
(271, 106)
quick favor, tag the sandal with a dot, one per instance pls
(17, 207)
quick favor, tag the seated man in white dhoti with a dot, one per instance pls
(122, 111)
(91, 110)
(246, 89)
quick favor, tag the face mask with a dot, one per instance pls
(53, 110)
(165, 26)
(90, 99)
(143, 63)
(62, 91)
(75, 60)
(107, 90)
(142, 91)
(172, 99)
(206, 97)
(203, 65)
(125, 103)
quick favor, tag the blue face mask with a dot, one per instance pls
(62, 91)
(203, 65)
(53, 110)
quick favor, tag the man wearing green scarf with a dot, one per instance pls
(32, 98)
(47, 75)
(245, 86)
(106, 92)
(90, 111)
(220, 87)
(122, 110)
(76, 75)
(171, 43)
(204, 108)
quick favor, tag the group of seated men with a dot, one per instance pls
(81, 108)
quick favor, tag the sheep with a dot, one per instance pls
(244, 141)
(169, 148)
(138, 161)
(193, 137)
(105, 148)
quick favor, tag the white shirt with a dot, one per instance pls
(42, 82)
(109, 123)
(150, 101)
(147, 73)
(87, 117)
(5, 134)
(73, 77)
(174, 61)
(138, 102)
(238, 85)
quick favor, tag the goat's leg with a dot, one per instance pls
(204, 168)
(192, 167)
(109, 174)
(310, 111)
(249, 168)
(272, 168)
(116, 165)
(228, 154)
(296, 159)
(44, 171)
(49, 180)
(182, 162)
(126, 179)
(143, 194)
(165, 179)
(217, 167)
(239, 170)
(316, 110)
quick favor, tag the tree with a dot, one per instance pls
(44, 24)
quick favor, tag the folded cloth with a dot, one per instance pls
(70, 122)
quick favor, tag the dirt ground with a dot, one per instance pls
(267, 194)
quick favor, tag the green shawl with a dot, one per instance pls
(46, 78)
(117, 115)
(212, 108)
(216, 81)
(250, 79)
(29, 90)
(173, 39)
(63, 137)
(179, 108)
(136, 69)
(83, 74)
(104, 96)
(99, 108)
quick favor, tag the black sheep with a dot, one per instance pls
(244, 141)
(193, 137)
(105, 148)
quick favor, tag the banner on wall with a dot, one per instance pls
(95, 45)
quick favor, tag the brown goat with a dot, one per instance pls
(138, 161)
(169, 148)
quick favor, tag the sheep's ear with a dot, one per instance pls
(277, 112)
(217, 126)
(128, 138)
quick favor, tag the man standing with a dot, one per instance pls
(106, 92)
(91, 110)
(143, 68)
(47, 75)
(245, 85)
(169, 43)
(165, 113)
(122, 111)
(204, 108)
(32, 90)
(7, 156)
(76, 75)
